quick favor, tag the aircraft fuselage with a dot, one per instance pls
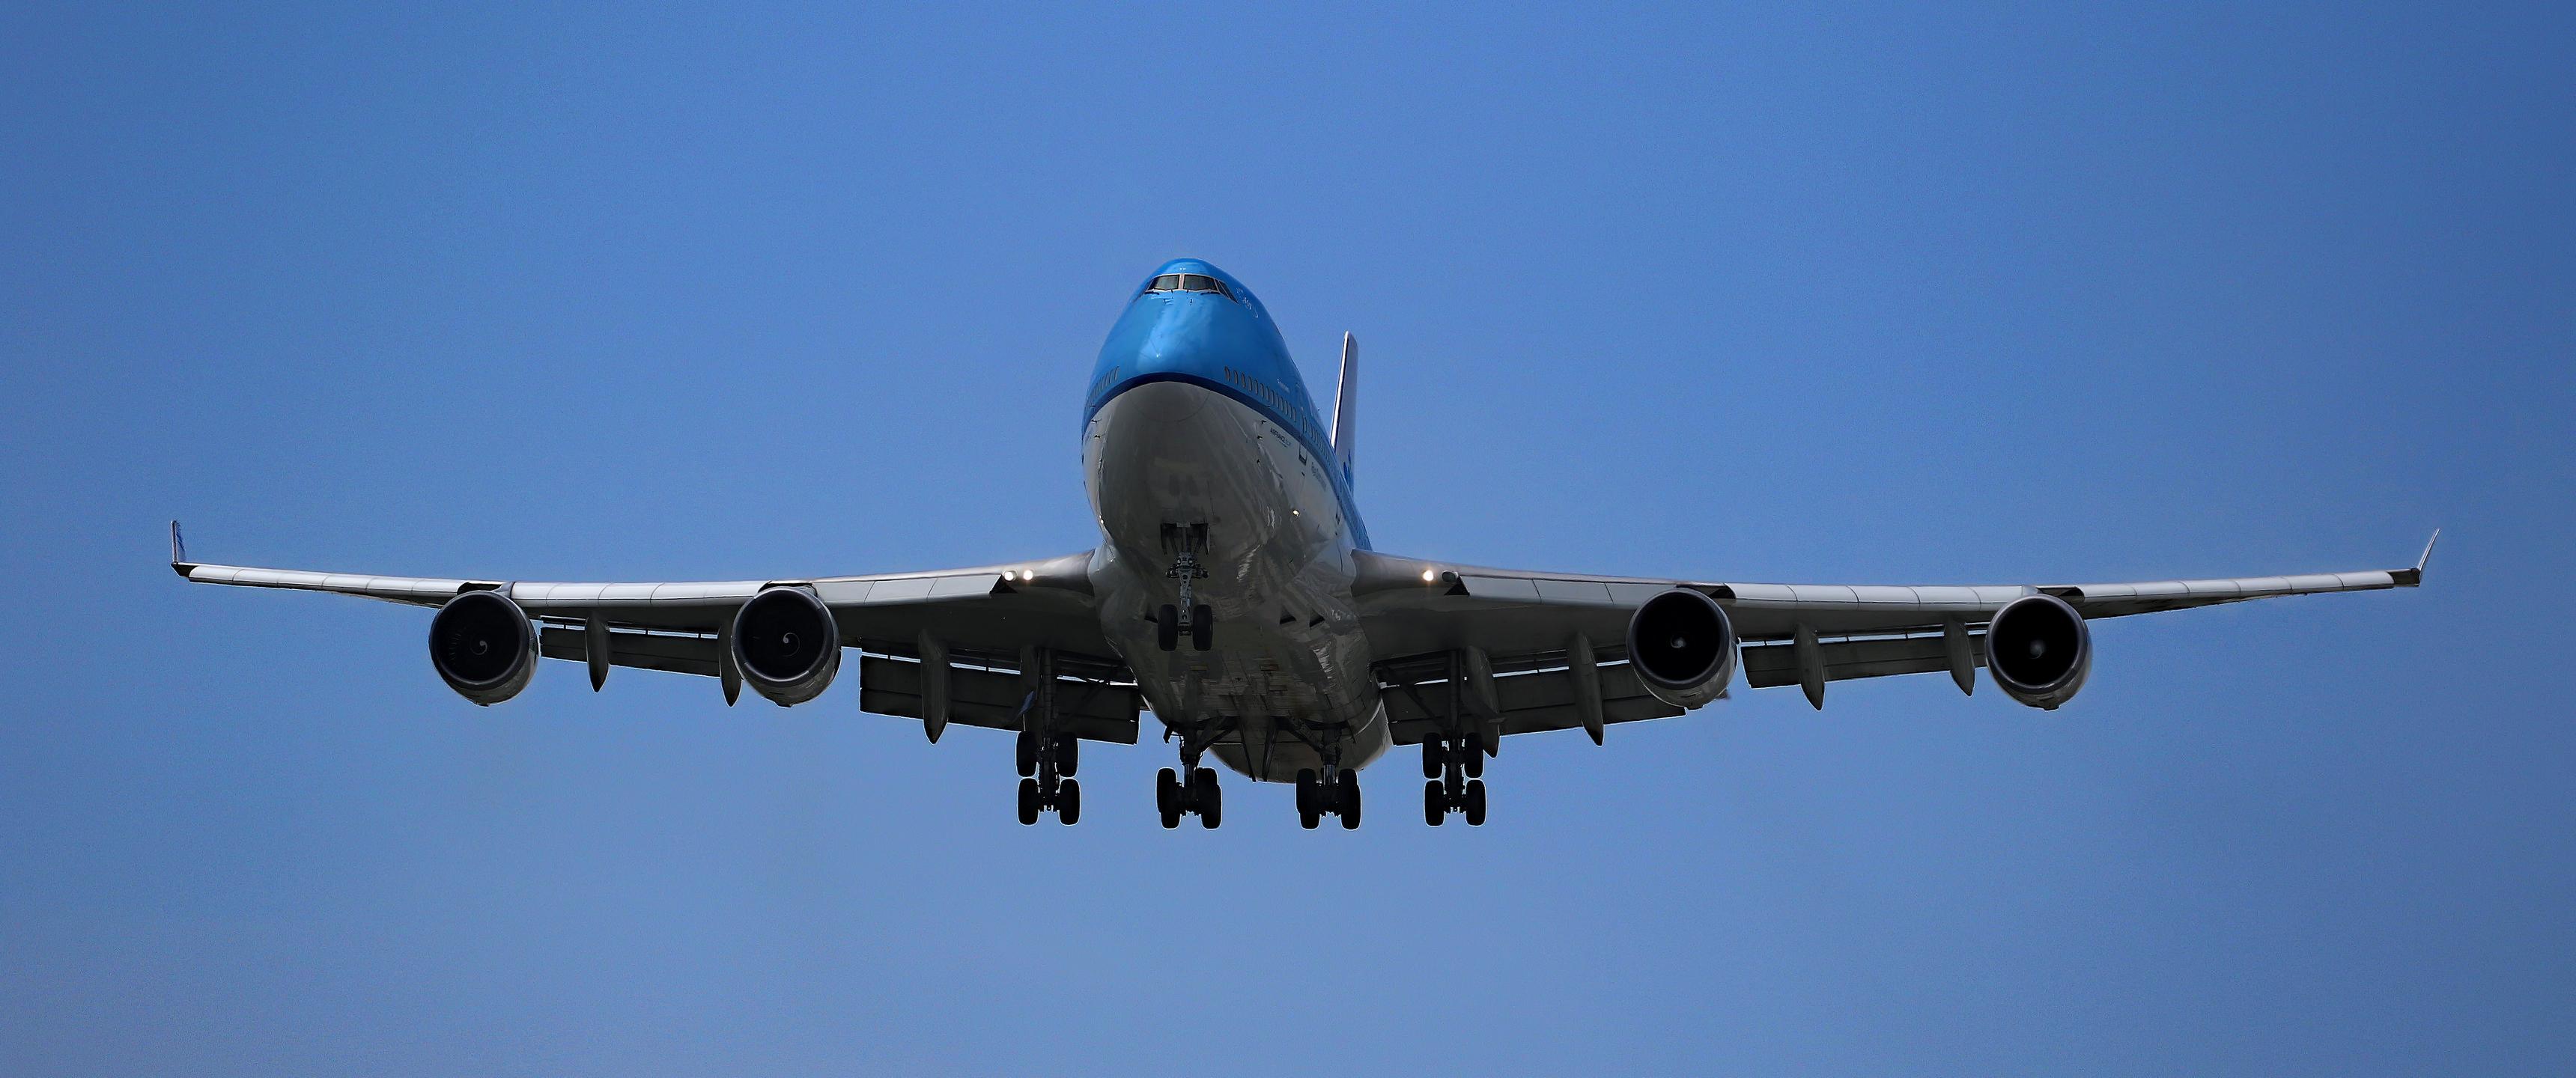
(1200, 440)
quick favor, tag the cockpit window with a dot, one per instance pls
(1189, 282)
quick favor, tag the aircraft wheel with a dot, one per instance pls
(1028, 801)
(1435, 803)
(1027, 749)
(1167, 797)
(1068, 754)
(1434, 754)
(1167, 628)
(1202, 627)
(1207, 798)
(1068, 802)
(1476, 759)
(1309, 793)
(1476, 803)
(1348, 803)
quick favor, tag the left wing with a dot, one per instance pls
(1417, 609)
(993, 624)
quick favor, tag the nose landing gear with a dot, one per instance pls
(1170, 622)
(1189, 615)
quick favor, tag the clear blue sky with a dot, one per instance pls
(1984, 295)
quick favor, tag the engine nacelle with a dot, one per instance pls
(484, 646)
(2039, 651)
(1683, 647)
(786, 645)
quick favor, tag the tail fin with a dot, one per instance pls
(1346, 405)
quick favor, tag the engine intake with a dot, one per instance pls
(1683, 647)
(786, 645)
(2039, 651)
(483, 646)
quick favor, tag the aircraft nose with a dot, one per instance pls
(1183, 338)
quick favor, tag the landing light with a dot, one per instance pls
(1428, 576)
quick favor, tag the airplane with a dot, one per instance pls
(1236, 596)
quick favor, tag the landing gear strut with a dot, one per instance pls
(1046, 783)
(1455, 770)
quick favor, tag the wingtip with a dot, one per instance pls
(178, 551)
(2408, 578)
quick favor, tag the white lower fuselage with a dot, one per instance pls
(1289, 669)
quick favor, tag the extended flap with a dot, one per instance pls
(1531, 701)
(643, 651)
(1772, 665)
(1091, 710)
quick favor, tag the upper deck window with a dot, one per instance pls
(1189, 282)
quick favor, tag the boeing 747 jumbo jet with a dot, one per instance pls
(1235, 595)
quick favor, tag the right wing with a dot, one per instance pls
(1522, 622)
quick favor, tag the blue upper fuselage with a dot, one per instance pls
(1180, 326)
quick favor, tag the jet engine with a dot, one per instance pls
(483, 646)
(1683, 647)
(786, 645)
(2038, 650)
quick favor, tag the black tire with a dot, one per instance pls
(1476, 759)
(1167, 628)
(1476, 804)
(1347, 802)
(1210, 800)
(1167, 797)
(1027, 750)
(1202, 627)
(1435, 803)
(1028, 801)
(1434, 755)
(1068, 754)
(1309, 794)
(1068, 802)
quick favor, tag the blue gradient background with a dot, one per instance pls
(1991, 294)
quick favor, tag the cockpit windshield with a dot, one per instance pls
(1189, 282)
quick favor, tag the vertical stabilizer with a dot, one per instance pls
(1346, 405)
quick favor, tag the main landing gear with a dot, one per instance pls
(1046, 778)
(1456, 771)
(1199, 794)
(1319, 796)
